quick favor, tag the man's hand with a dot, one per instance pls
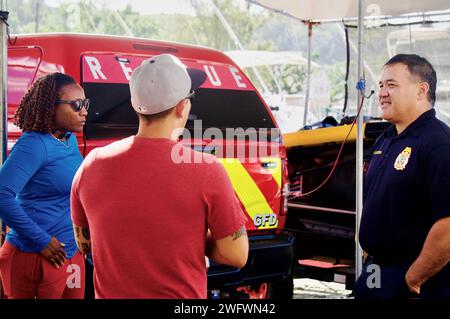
(413, 285)
(435, 254)
(54, 253)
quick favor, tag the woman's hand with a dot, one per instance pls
(54, 253)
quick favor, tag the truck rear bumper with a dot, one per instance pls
(270, 258)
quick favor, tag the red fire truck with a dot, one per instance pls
(227, 100)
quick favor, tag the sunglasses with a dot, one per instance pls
(77, 105)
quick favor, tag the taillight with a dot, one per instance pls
(285, 198)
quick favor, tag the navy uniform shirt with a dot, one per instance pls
(407, 189)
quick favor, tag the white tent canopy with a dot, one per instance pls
(252, 58)
(329, 10)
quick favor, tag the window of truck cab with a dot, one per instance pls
(228, 100)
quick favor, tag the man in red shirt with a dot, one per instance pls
(145, 215)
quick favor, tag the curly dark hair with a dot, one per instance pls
(36, 111)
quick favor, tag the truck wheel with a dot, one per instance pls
(281, 289)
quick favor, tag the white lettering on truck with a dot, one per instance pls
(263, 219)
(212, 75)
(96, 70)
(95, 67)
(125, 68)
(237, 77)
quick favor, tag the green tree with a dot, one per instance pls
(336, 74)
(242, 21)
(204, 28)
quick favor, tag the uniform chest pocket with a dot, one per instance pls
(400, 171)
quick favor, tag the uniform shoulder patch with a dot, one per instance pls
(402, 159)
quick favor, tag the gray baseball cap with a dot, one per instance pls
(161, 82)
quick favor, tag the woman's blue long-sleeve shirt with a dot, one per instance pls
(35, 184)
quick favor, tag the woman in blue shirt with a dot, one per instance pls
(39, 258)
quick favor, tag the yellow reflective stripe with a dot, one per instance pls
(246, 190)
(275, 170)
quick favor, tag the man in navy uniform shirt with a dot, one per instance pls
(405, 225)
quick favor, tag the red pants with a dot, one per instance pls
(29, 275)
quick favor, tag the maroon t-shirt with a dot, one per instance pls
(148, 216)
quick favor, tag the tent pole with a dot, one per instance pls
(3, 82)
(308, 73)
(359, 141)
(3, 100)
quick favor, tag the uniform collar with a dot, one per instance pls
(415, 128)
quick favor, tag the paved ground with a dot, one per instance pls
(315, 289)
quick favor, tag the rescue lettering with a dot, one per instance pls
(95, 67)
(212, 75)
(237, 77)
(125, 68)
(110, 68)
